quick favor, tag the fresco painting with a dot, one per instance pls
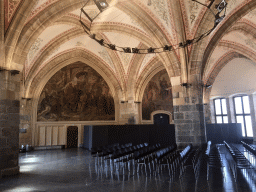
(157, 95)
(76, 93)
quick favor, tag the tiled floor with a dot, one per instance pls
(75, 170)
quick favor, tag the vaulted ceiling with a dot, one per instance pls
(40, 31)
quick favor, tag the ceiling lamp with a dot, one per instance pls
(127, 49)
(221, 6)
(111, 46)
(189, 42)
(101, 42)
(135, 50)
(92, 36)
(151, 50)
(167, 48)
(101, 4)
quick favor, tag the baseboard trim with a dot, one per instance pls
(49, 147)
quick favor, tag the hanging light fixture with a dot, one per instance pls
(102, 5)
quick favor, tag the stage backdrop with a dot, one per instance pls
(157, 95)
(76, 93)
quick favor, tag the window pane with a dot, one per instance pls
(217, 107)
(240, 119)
(246, 104)
(238, 105)
(248, 123)
(225, 119)
(219, 119)
(224, 106)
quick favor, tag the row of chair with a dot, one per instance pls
(214, 160)
(202, 153)
(185, 156)
(249, 148)
(117, 150)
(240, 160)
(155, 158)
(97, 150)
(141, 156)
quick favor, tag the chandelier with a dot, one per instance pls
(219, 13)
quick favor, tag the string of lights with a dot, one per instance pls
(102, 5)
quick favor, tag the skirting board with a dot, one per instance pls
(49, 147)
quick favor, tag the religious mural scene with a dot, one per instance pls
(157, 95)
(76, 93)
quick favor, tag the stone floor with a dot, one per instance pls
(75, 170)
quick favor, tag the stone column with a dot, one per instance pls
(208, 106)
(129, 112)
(25, 136)
(9, 122)
(207, 112)
(188, 114)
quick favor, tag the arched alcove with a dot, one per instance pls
(76, 93)
(157, 95)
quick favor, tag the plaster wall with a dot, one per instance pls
(238, 76)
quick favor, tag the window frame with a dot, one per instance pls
(221, 115)
(243, 113)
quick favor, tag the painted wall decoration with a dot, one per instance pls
(10, 7)
(76, 93)
(157, 95)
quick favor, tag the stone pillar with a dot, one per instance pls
(9, 123)
(129, 112)
(207, 112)
(25, 122)
(208, 105)
(188, 114)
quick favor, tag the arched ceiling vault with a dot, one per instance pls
(239, 40)
(243, 9)
(43, 30)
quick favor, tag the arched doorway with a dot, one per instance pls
(72, 137)
(161, 119)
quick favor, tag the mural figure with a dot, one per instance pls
(76, 93)
(157, 95)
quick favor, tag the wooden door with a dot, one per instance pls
(161, 118)
(72, 137)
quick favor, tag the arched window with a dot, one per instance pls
(220, 110)
(243, 114)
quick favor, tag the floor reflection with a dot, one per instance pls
(75, 170)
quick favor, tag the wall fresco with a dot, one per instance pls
(157, 95)
(76, 93)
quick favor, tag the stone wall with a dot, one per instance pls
(9, 123)
(188, 110)
(189, 123)
(26, 111)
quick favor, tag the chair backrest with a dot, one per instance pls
(207, 152)
(186, 150)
